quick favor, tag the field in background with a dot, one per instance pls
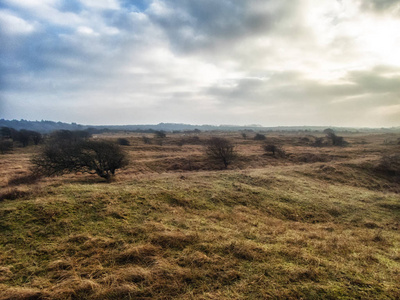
(322, 222)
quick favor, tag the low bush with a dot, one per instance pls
(274, 150)
(6, 146)
(95, 157)
(146, 140)
(260, 137)
(389, 165)
(221, 149)
(123, 142)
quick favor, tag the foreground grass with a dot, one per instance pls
(256, 234)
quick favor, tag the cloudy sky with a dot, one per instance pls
(267, 62)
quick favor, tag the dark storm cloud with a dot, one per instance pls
(208, 24)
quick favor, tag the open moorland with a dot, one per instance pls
(312, 222)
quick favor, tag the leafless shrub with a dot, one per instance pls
(389, 165)
(190, 140)
(334, 139)
(6, 146)
(68, 136)
(160, 134)
(260, 137)
(94, 157)
(221, 149)
(318, 142)
(123, 142)
(275, 150)
(146, 140)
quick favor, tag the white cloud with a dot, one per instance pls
(86, 31)
(101, 4)
(294, 62)
(32, 3)
(13, 25)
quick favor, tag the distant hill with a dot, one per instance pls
(49, 126)
(40, 126)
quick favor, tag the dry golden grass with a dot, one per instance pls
(321, 223)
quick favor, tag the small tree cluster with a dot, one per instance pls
(146, 140)
(123, 142)
(160, 134)
(68, 136)
(274, 150)
(318, 142)
(221, 149)
(334, 139)
(24, 137)
(260, 137)
(389, 165)
(5, 146)
(95, 157)
(189, 140)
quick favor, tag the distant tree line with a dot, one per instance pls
(9, 137)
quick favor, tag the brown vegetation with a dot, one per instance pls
(322, 223)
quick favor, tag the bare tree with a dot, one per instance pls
(336, 140)
(123, 142)
(6, 143)
(36, 137)
(24, 137)
(389, 165)
(160, 134)
(146, 140)
(95, 157)
(5, 146)
(260, 137)
(68, 136)
(319, 142)
(274, 149)
(221, 149)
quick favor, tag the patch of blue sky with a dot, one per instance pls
(74, 6)
(136, 5)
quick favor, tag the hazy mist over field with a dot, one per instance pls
(287, 62)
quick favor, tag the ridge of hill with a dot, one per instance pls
(45, 126)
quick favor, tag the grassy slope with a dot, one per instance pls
(289, 231)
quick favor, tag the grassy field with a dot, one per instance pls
(321, 223)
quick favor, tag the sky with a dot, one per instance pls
(266, 62)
